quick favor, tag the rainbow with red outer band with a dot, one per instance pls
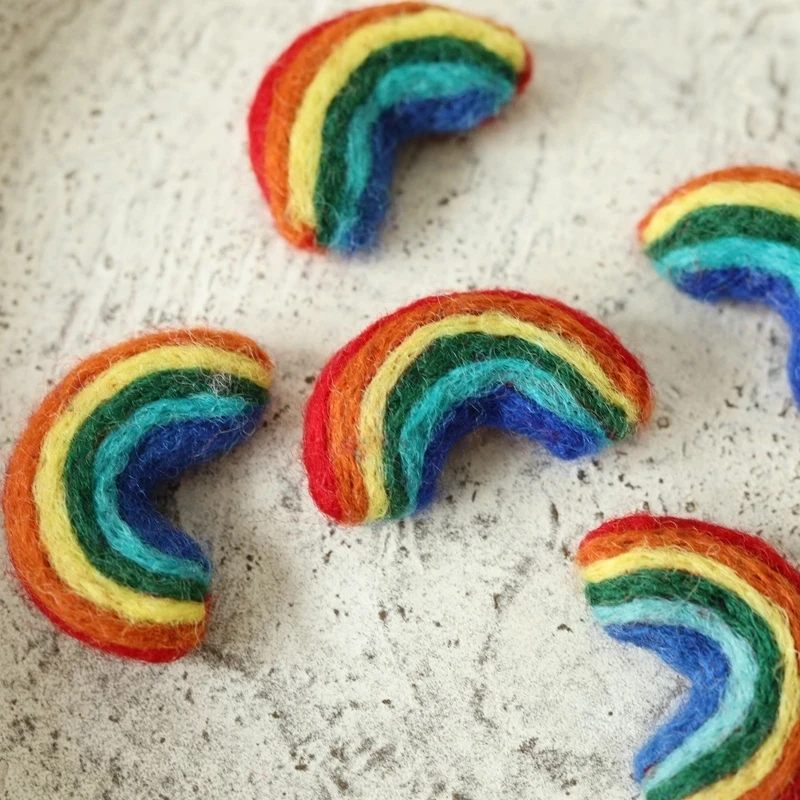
(88, 545)
(733, 234)
(388, 406)
(330, 112)
(722, 607)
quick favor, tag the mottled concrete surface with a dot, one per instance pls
(451, 656)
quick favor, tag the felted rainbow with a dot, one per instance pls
(90, 548)
(330, 113)
(733, 234)
(390, 404)
(723, 608)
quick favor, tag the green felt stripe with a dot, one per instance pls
(737, 749)
(333, 160)
(79, 467)
(718, 222)
(449, 352)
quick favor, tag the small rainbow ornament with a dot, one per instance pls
(330, 113)
(733, 234)
(722, 608)
(90, 548)
(388, 406)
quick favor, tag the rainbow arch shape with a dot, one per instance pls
(388, 406)
(733, 234)
(89, 547)
(722, 608)
(331, 111)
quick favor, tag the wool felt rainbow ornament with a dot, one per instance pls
(86, 541)
(388, 406)
(723, 608)
(330, 113)
(733, 234)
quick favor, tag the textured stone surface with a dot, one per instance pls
(451, 656)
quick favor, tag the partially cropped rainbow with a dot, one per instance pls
(331, 111)
(733, 234)
(89, 546)
(722, 608)
(388, 406)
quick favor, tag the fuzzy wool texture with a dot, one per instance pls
(447, 653)
(388, 406)
(650, 580)
(331, 112)
(733, 234)
(89, 546)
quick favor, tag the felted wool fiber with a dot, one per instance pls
(733, 235)
(332, 110)
(389, 405)
(89, 546)
(722, 608)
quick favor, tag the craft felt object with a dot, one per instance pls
(89, 546)
(388, 406)
(723, 608)
(331, 111)
(733, 234)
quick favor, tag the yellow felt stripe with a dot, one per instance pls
(771, 196)
(763, 761)
(305, 145)
(56, 532)
(493, 323)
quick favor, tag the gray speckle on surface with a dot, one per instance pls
(451, 656)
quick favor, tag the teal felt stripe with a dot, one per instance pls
(739, 691)
(475, 380)
(772, 258)
(409, 83)
(112, 457)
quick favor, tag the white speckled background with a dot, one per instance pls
(451, 656)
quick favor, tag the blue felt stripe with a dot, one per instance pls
(772, 258)
(699, 659)
(748, 285)
(396, 125)
(163, 455)
(407, 86)
(115, 453)
(507, 409)
(476, 380)
(739, 690)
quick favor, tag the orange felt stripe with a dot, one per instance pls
(260, 114)
(93, 624)
(288, 92)
(740, 174)
(349, 387)
(757, 573)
